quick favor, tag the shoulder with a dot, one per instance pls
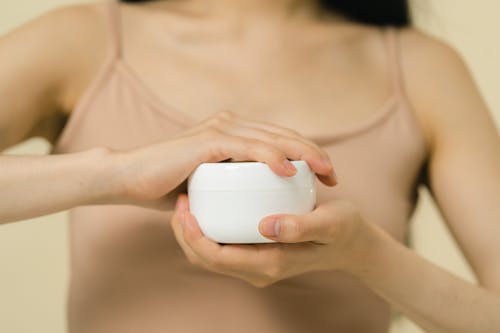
(45, 66)
(438, 83)
(82, 39)
(423, 54)
(79, 15)
(416, 39)
(61, 48)
(61, 27)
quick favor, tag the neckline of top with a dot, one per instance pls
(185, 120)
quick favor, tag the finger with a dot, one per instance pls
(176, 224)
(330, 180)
(224, 146)
(236, 258)
(223, 258)
(295, 146)
(263, 264)
(269, 127)
(288, 140)
(182, 210)
(316, 226)
(258, 264)
(206, 249)
(230, 119)
(294, 149)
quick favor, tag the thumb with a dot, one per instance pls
(311, 227)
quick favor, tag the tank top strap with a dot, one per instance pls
(394, 58)
(114, 26)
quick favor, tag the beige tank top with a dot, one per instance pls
(128, 271)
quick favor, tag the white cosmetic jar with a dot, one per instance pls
(229, 199)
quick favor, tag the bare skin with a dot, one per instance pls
(225, 49)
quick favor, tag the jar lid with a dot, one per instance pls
(237, 176)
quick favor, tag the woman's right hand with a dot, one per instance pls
(153, 175)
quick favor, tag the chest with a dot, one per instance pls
(316, 90)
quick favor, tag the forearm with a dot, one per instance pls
(433, 298)
(32, 186)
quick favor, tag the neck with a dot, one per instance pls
(257, 18)
(245, 10)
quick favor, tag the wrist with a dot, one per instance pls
(104, 186)
(149, 172)
(199, 147)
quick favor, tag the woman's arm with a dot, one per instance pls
(31, 186)
(42, 66)
(464, 165)
(464, 178)
(464, 175)
(433, 298)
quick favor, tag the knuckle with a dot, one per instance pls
(291, 132)
(215, 122)
(294, 228)
(277, 141)
(206, 123)
(249, 148)
(254, 143)
(273, 152)
(319, 150)
(253, 146)
(262, 150)
(211, 139)
(315, 151)
(225, 114)
(305, 152)
(283, 137)
(211, 133)
(275, 137)
(283, 131)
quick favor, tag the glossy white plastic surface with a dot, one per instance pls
(230, 199)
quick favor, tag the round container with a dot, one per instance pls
(230, 199)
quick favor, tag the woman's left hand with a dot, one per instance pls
(332, 237)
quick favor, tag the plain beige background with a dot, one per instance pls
(34, 255)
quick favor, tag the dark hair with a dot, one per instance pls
(376, 12)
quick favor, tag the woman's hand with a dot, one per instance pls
(332, 237)
(146, 175)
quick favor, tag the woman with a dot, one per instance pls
(140, 86)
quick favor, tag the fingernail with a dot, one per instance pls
(289, 166)
(271, 228)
